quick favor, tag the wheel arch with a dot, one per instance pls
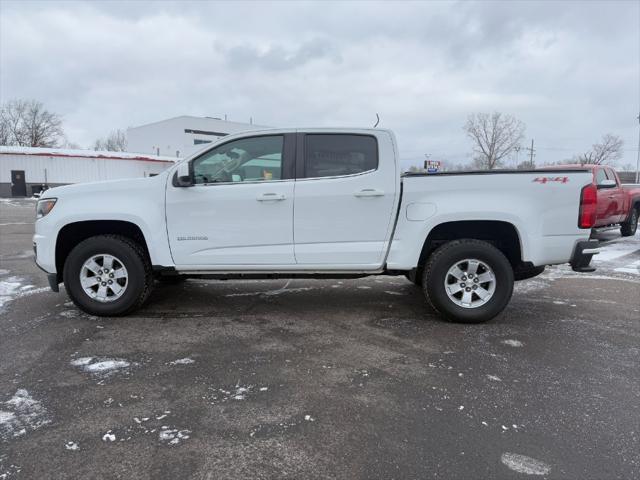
(502, 234)
(73, 233)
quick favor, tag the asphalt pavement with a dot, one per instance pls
(320, 378)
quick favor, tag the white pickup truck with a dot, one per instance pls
(314, 203)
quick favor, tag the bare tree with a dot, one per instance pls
(494, 137)
(116, 141)
(27, 123)
(607, 151)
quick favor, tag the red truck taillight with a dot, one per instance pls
(588, 202)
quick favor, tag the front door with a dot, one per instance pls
(345, 200)
(239, 212)
(18, 184)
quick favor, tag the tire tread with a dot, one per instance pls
(148, 273)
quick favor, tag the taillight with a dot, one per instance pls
(588, 202)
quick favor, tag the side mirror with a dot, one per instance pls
(607, 183)
(183, 177)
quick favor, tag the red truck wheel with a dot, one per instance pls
(628, 229)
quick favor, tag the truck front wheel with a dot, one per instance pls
(468, 281)
(108, 275)
(628, 229)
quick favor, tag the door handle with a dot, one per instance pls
(270, 197)
(369, 192)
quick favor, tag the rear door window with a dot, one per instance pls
(335, 155)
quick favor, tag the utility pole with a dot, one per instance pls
(531, 151)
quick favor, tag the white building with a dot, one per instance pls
(181, 136)
(23, 170)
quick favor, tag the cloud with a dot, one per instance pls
(278, 57)
(569, 70)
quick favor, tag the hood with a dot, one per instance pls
(108, 186)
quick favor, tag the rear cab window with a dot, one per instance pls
(336, 155)
(611, 175)
(600, 175)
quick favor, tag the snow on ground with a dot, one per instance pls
(13, 202)
(100, 365)
(523, 464)
(618, 247)
(182, 361)
(173, 436)
(12, 287)
(239, 392)
(71, 446)
(619, 255)
(8, 288)
(20, 414)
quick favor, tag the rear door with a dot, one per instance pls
(616, 195)
(605, 208)
(345, 199)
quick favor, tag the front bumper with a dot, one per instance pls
(582, 255)
(52, 278)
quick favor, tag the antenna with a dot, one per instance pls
(377, 120)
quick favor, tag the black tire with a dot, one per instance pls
(133, 257)
(524, 273)
(415, 277)
(445, 257)
(628, 229)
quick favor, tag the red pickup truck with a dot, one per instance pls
(616, 204)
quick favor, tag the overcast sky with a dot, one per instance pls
(569, 70)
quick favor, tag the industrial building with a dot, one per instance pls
(181, 136)
(24, 170)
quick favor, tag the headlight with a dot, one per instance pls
(44, 206)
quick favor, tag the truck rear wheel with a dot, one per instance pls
(108, 275)
(628, 229)
(468, 281)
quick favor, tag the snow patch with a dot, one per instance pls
(173, 436)
(523, 464)
(9, 287)
(182, 361)
(495, 378)
(23, 413)
(237, 393)
(109, 437)
(633, 268)
(71, 446)
(100, 365)
(513, 343)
